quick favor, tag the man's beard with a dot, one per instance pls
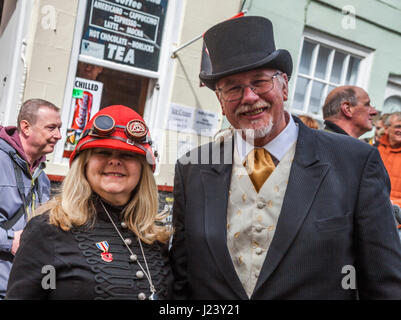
(250, 133)
(258, 133)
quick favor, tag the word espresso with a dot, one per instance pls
(208, 309)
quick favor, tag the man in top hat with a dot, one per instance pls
(278, 212)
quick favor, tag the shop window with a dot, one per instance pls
(117, 59)
(96, 87)
(118, 87)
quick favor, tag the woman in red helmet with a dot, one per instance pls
(101, 237)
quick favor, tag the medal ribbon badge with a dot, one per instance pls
(106, 255)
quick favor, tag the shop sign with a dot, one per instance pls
(125, 31)
(192, 120)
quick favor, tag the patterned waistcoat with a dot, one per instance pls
(252, 217)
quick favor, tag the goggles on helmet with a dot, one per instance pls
(121, 124)
(104, 125)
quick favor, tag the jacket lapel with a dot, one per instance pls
(216, 180)
(306, 174)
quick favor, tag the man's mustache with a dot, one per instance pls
(252, 107)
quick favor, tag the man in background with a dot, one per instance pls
(390, 151)
(23, 183)
(347, 110)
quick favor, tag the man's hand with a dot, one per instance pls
(14, 247)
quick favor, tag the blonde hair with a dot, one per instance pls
(309, 121)
(73, 206)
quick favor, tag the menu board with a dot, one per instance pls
(125, 31)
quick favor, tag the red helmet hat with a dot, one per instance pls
(117, 127)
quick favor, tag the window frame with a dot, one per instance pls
(336, 45)
(393, 89)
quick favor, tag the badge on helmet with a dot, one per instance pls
(136, 130)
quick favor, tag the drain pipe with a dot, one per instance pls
(13, 95)
(24, 73)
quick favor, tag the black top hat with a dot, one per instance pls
(242, 44)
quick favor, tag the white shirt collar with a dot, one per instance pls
(278, 147)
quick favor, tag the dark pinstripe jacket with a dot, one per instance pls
(336, 217)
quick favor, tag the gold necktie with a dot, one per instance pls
(260, 165)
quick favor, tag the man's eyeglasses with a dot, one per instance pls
(258, 86)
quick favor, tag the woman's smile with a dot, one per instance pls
(113, 174)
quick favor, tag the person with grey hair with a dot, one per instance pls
(23, 183)
(390, 151)
(347, 110)
(283, 214)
